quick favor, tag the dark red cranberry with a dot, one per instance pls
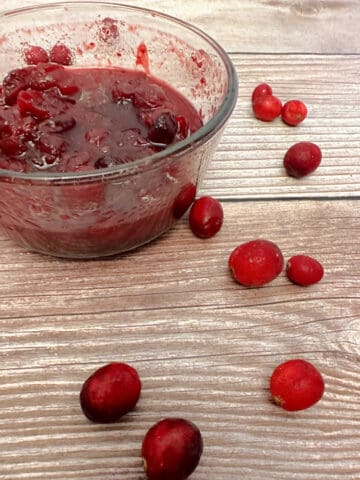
(304, 270)
(41, 105)
(61, 54)
(164, 129)
(172, 449)
(296, 385)
(44, 76)
(12, 145)
(35, 54)
(206, 217)
(184, 199)
(302, 159)
(256, 263)
(110, 392)
(14, 82)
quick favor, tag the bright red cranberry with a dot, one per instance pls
(302, 159)
(293, 112)
(61, 54)
(110, 392)
(206, 217)
(296, 385)
(35, 54)
(163, 129)
(260, 91)
(171, 449)
(304, 270)
(267, 108)
(184, 199)
(256, 263)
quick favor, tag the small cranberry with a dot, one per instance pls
(296, 385)
(61, 54)
(35, 54)
(183, 200)
(267, 107)
(256, 263)
(293, 112)
(171, 449)
(14, 82)
(164, 129)
(302, 159)
(304, 270)
(260, 91)
(206, 217)
(110, 392)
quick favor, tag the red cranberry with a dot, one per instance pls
(296, 385)
(41, 105)
(109, 30)
(35, 54)
(293, 112)
(267, 107)
(110, 392)
(302, 159)
(206, 217)
(44, 76)
(171, 449)
(51, 143)
(61, 54)
(163, 129)
(14, 82)
(184, 199)
(183, 126)
(304, 270)
(256, 263)
(260, 91)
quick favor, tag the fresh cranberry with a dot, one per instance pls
(41, 105)
(61, 54)
(260, 91)
(183, 200)
(267, 107)
(206, 217)
(35, 54)
(293, 112)
(302, 159)
(256, 263)
(304, 270)
(296, 385)
(164, 129)
(110, 392)
(171, 449)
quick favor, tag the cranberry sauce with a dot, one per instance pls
(65, 119)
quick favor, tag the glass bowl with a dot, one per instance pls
(115, 209)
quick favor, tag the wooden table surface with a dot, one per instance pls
(203, 345)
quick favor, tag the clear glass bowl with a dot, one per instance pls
(108, 211)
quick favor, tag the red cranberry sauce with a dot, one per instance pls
(65, 119)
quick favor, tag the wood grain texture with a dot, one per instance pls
(313, 26)
(249, 160)
(203, 345)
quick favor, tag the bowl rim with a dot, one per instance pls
(196, 139)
